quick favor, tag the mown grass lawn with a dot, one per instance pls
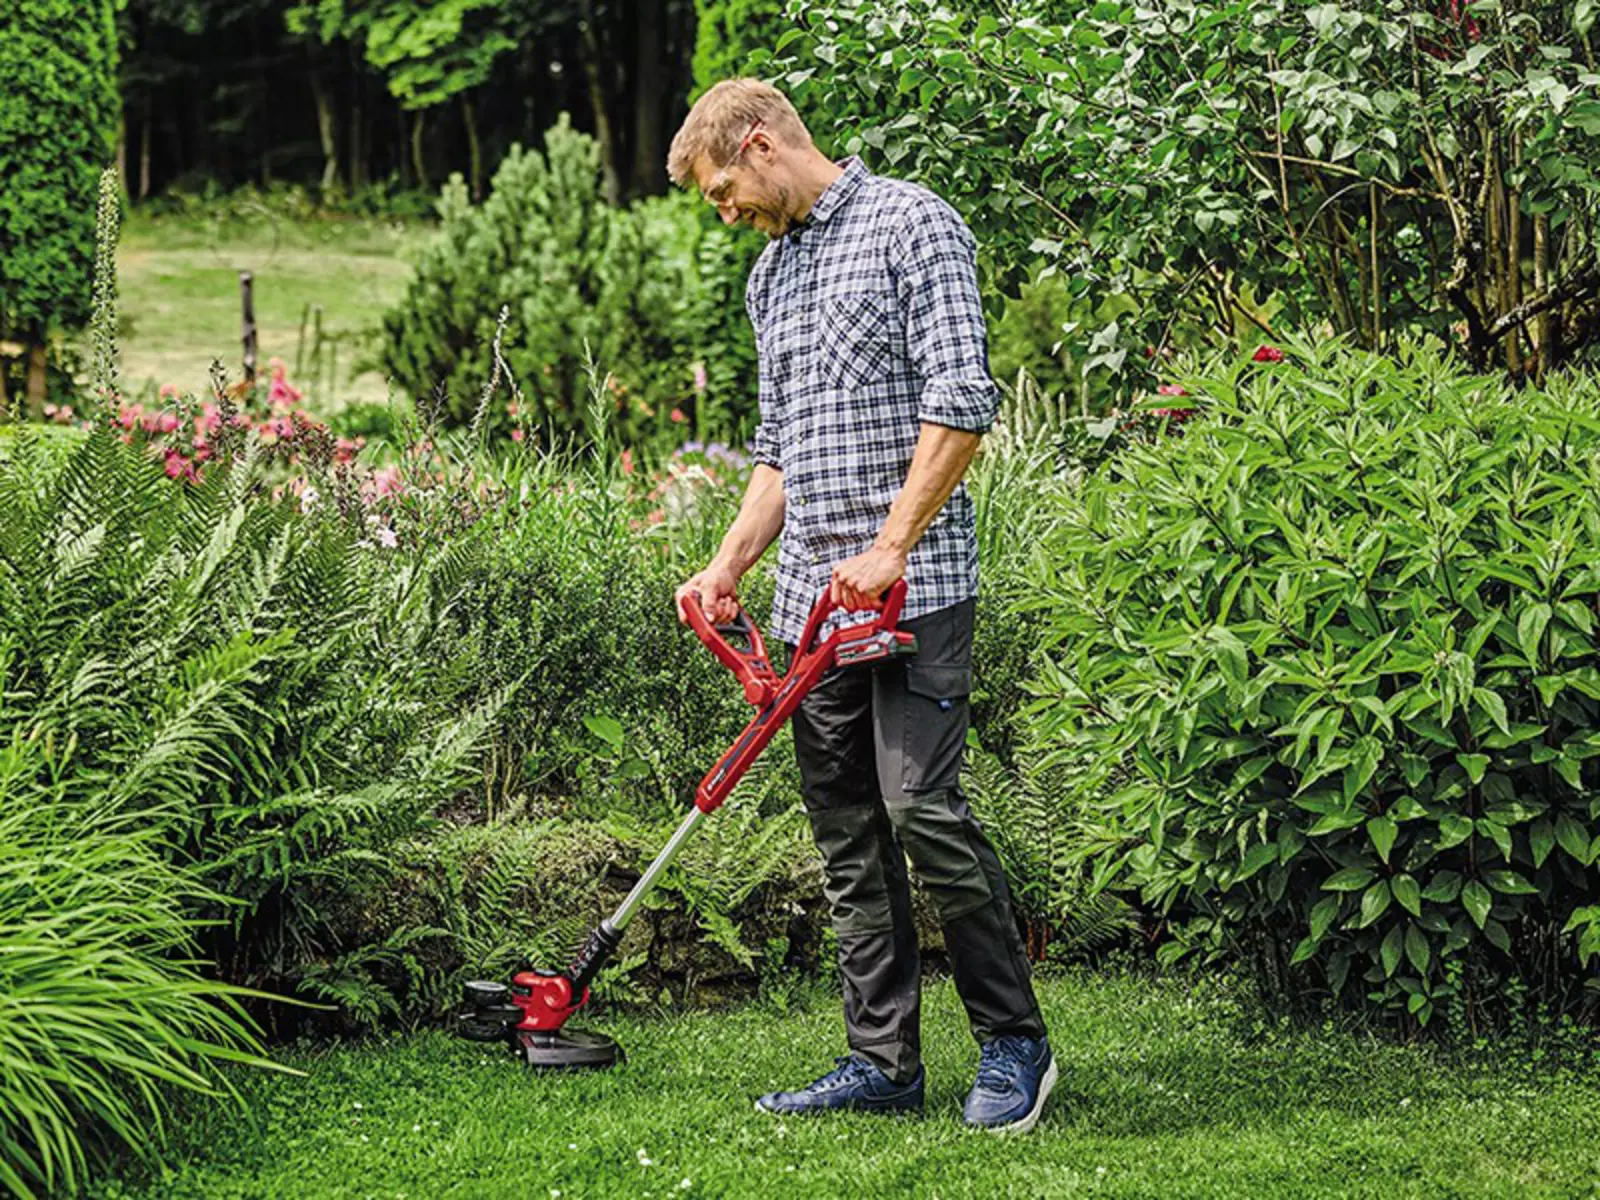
(1168, 1089)
(178, 278)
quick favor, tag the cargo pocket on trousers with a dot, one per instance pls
(935, 724)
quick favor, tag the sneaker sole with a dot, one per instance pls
(885, 1109)
(1025, 1123)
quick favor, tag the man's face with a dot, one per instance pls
(744, 191)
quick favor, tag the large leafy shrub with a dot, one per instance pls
(1329, 660)
(58, 128)
(102, 1010)
(654, 291)
(1381, 166)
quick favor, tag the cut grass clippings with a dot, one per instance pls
(1169, 1088)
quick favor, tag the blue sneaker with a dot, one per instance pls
(853, 1084)
(1015, 1075)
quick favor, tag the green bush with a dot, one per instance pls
(260, 680)
(58, 129)
(1377, 168)
(650, 291)
(102, 1010)
(1331, 659)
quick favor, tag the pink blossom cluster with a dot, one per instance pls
(186, 436)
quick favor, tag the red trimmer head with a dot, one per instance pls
(531, 1013)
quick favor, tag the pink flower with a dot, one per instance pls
(168, 422)
(174, 464)
(677, 415)
(657, 517)
(1267, 354)
(516, 435)
(1170, 389)
(700, 377)
(627, 462)
(169, 391)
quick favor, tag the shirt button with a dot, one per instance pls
(813, 560)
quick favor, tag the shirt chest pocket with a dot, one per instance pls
(858, 339)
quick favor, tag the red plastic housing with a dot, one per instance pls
(777, 699)
(545, 998)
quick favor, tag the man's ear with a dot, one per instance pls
(762, 146)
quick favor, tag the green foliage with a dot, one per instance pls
(428, 53)
(103, 1013)
(58, 126)
(647, 290)
(727, 32)
(1330, 660)
(1380, 168)
(258, 680)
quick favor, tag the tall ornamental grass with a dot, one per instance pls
(103, 1010)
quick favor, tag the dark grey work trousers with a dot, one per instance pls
(880, 749)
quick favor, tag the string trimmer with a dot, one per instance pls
(531, 1014)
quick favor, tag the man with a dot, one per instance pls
(874, 392)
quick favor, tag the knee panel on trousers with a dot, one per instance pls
(859, 869)
(933, 828)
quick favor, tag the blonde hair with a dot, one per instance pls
(722, 117)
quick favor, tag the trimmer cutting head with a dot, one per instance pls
(491, 1012)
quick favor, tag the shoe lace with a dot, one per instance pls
(1001, 1063)
(846, 1069)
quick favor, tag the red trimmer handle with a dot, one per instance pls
(750, 665)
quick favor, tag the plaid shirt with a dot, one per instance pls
(868, 323)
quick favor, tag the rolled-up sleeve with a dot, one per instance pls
(764, 442)
(936, 276)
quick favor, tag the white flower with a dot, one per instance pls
(308, 501)
(684, 1186)
(386, 537)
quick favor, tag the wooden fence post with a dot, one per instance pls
(249, 315)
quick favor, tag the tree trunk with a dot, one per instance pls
(355, 152)
(38, 358)
(474, 152)
(418, 160)
(144, 149)
(325, 123)
(5, 392)
(649, 100)
(597, 101)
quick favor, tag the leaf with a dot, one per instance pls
(607, 729)
(1382, 832)
(1374, 903)
(1474, 765)
(1496, 933)
(1530, 628)
(1453, 830)
(1303, 951)
(1509, 883)
(1389, 953)
(1323, 913)
(1492, 704)
(1417, 949)
(1574, 838)
(1408, 893)
(1541, 840)
(1476, 900)
(1351, 879)
(1443, 888)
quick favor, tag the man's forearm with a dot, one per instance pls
(760, 520)
(940, 460)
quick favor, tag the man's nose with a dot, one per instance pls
(729, 213)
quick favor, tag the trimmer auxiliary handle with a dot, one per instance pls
(541, 1001)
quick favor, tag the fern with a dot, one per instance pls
(1031, 812)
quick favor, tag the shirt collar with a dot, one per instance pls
(836, 193)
